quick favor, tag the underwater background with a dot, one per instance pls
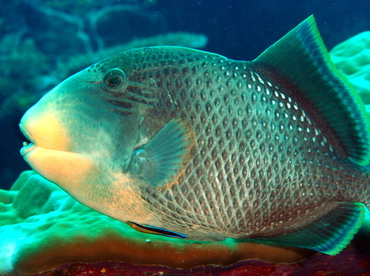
(43, 42)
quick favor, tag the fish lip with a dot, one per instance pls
(27, 147)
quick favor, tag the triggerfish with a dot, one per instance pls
(190, 144)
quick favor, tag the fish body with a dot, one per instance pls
(175, 140)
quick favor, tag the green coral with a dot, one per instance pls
(352, 57)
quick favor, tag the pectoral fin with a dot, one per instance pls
(330, 234)
(155, 230)
(160, 161)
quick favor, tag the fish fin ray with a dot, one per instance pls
(155, 230)
(161, 160)
(330, 234)
(302, 53)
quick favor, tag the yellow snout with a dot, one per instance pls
(44, 130)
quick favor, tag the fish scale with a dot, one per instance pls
(253, 146)
(189, 144)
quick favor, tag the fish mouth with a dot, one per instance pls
(27, 146)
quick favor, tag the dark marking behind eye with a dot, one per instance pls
(120, 103)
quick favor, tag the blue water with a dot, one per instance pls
(238, 29)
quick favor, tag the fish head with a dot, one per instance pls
(82, 133)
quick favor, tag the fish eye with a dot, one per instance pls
(114, 79)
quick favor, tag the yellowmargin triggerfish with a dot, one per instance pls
(190, 144)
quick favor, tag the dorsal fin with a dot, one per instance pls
(301, 58)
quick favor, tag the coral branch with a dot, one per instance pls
(95, 16)
(81, 34)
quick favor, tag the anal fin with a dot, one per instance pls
(329, 234)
